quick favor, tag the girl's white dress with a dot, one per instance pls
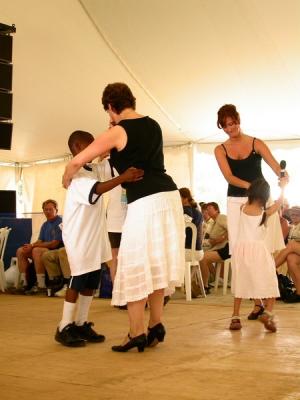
(253, 267)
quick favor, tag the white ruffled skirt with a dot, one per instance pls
(152, 253)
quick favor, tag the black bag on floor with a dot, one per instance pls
(285, 286)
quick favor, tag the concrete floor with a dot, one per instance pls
(200, 359)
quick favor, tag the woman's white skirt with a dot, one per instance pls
(151, 254)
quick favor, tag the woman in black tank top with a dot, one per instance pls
(151, 256)
(239, 159)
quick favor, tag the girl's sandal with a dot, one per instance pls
(255, 314)
(267, 319)
(235, 324)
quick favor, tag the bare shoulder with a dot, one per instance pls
(219, 149)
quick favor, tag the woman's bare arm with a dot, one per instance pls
(112, 138)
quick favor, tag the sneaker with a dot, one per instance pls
(69, 336)
(267, 319)
(61, 292)
(235, 324)
(36, 290)
(86, 332)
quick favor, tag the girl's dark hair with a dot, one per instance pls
(259, 190)
(119, 96)
(228, 110)
(185, 193)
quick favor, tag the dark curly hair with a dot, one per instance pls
(228, 110)
(119, 96)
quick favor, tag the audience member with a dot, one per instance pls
(206, 225)
(191, 214)
(217, 239)
(291, 254)
(50, 238)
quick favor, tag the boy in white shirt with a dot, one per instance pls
(86, 242)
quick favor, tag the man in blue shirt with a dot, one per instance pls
(50, 238)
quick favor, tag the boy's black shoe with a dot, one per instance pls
(87, 333)
(69, 336)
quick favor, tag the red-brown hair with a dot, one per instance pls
(228, 110)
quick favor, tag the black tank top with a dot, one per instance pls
(144, 149)
(247, 169)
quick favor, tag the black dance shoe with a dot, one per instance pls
(156, 334)
(138, 341)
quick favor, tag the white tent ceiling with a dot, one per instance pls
(182, 59)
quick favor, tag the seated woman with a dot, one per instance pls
(191, 214)
(291, 254)
(217, 249)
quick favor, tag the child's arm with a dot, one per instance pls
(130, 175)
(276, 206)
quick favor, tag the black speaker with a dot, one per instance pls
(6, 71)
(5, 105)
(6, 42)
(8, 203)
(5, 135)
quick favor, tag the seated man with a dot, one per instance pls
(50, 237)
(217, 239)
(291, 254)
(58, 270)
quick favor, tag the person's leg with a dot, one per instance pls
(136, 314)
(267, 318)
(257, 310)
(86, 295)
(37, 253)
(113, 264)
(270, 304)
(64, 263)
(67, 333)
(236, 306)
(83, 306)
(291, 247)
(23, 264)
(293, 262)
(156, 302)
(235, 323)
(209, 258)
(50, 260)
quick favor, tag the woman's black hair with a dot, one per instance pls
(259, 190)
(185, 193)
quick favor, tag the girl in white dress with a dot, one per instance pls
(254, 273)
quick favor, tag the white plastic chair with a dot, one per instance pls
(4, 232)
(192, 262)
(227, 265)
